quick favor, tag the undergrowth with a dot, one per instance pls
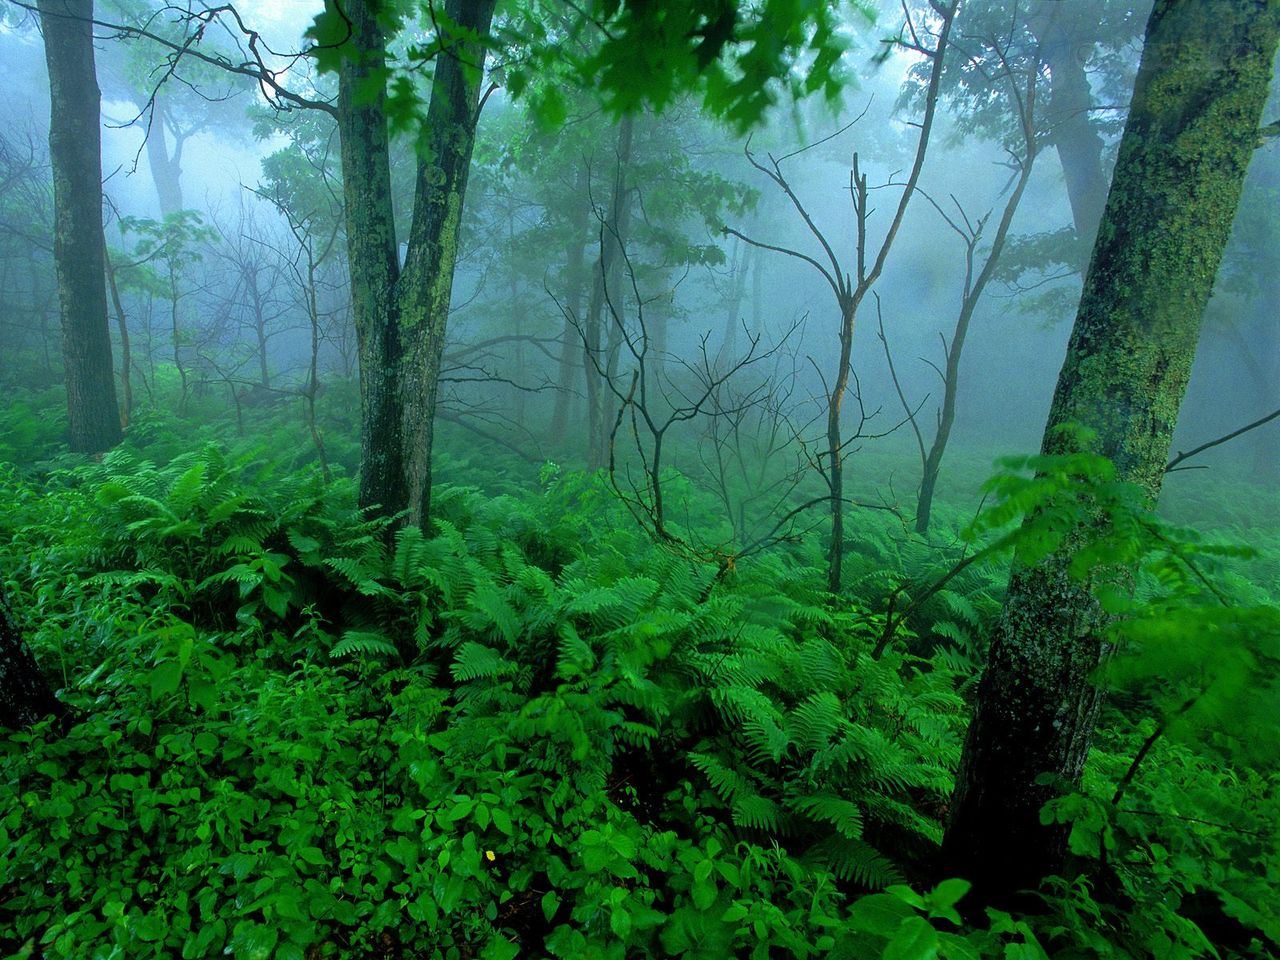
(534, 732)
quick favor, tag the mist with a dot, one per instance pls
(551, 479)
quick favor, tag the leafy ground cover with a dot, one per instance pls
(536, 732)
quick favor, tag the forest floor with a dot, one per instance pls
(538, 732)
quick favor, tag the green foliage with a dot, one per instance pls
(533, 732)
(739, 59)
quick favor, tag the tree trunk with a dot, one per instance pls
(25, 697)
(259, 323)
(427, 285)
(401, 316)
(373, 260)
(575, 280)
(75, 149)
(973, 290)
(126, 355)
(606, 289)
(1191, 131)
(835, 441)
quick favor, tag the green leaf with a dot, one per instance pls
(915, 940)
(165, 679)
(879, 913)
(500, 948)
(252, 941)
(550, 904)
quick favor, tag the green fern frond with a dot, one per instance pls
(814, 723)
(844, 815)
(729, 784)
(362, 643)
(850, 858)
(756, 813)
(474, 661)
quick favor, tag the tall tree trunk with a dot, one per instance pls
(427, 285)
(259, 323)
(373, 259)
(176, 335)
(25, 697)
(1191, 131)
(575, 281)
(126, 355)
(401, 316)
(75, 149)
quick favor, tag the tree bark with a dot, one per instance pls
(401, 316)
(1191, 131)
(373, 259)
(75, 149)
(25, 697)
(427, 284)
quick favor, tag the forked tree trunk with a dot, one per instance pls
(79, 247)
(165, 164)
(1191, 131)
(401, 315)
(974, 287)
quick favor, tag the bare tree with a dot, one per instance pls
(976, 278)
(850, 287)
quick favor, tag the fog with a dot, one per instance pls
(1016, 340)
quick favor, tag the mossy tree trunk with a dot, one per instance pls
(401, 315)
(79, 247)
(1191, 131)
(427, 284)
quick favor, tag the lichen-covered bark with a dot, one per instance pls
(25, 697)
(401, 315)
(79, 248)
(427, 285)
(373, 259)
(1190, 134)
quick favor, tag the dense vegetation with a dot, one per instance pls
(538, 730)
(471, 597)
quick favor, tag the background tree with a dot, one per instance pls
(75, 150)
(978, 273)
(851, 286)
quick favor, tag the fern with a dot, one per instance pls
(362, 643)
